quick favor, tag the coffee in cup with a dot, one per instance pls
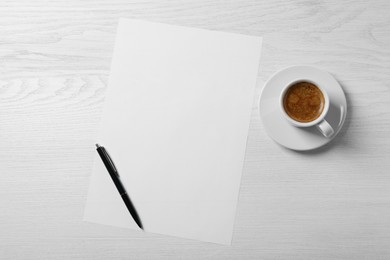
(304, 102)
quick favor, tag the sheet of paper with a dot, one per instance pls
(175, 122)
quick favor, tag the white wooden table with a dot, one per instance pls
(333, 203)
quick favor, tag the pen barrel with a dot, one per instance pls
(111, 170)
(121, 189)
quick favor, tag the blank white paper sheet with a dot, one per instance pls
(175, 122)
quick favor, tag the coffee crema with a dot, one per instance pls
(304, 102)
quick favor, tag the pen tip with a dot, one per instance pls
(139, 223)
(97, 145)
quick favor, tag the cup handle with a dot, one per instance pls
(325, 128)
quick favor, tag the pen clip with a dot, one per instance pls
(111, 162)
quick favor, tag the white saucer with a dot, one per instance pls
(283, 132)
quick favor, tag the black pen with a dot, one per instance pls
(116, 179)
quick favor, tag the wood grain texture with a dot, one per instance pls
(333, 203)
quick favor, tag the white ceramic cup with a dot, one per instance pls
(322, 125)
